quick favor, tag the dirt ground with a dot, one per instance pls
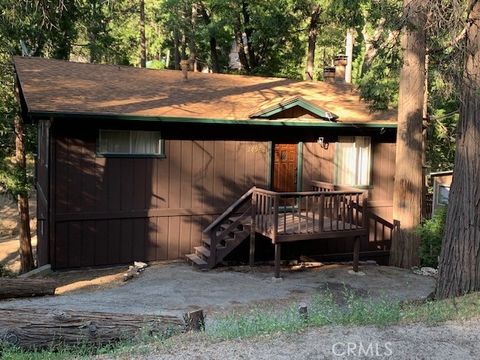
(175, 288)
(450, 341)
(9, 243)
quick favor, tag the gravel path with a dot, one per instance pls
(452, 341)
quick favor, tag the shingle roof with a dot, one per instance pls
(68, 87)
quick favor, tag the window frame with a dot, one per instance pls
(160, 155)
(370, 164)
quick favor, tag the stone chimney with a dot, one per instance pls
(340, 65)
(184, 65)
(329, 74)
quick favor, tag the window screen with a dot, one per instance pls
(130, 142)
(352, 161)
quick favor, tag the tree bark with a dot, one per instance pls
(212, 42)
(26, 253)
(19, 287)
(407, 192)
(241, 48)
(249, 34)
(312, 43)
(29, 329)
(349, 53)
(176, 49)
(192, 44)
(459, 267)
(143, 40)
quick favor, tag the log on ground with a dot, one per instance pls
(25, 287)
(34, 329)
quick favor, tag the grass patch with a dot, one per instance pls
(352, 310)
(142, 344)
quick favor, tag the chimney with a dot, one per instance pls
(329, 74)
(184, 66)
(340, 64)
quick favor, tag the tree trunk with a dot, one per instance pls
(249, 34)
(26, 254)
(192, 45)
(407, 191)
(241, 48)
(312, 43)
(176, 49)
(29, 329)
(19, 287)
(349, 53)
(459, 268)
(212, 42)
(143, 40)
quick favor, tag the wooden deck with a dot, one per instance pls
(327, 212)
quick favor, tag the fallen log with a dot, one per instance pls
(25, 287)
(34, 329)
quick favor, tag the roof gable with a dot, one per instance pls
(276, 110)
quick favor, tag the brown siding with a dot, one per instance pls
(116, 210)
(42, 187)
(317, 163)
(383, 172)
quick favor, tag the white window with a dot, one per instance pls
(352, 161)
(130, 142)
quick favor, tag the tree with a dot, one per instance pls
(143, 40)
(312, 42)
(459, 268)
(407, 192)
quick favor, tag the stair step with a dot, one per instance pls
(196, 260)
(225, 226)
(203, 251)
(207, 241)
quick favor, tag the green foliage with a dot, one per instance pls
(431, 234)
(324, 310)
(379, 86)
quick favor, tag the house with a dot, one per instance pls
(140, 164)
(441, 182)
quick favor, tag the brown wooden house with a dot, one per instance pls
(134, 164)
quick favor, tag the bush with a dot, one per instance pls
(431, 234)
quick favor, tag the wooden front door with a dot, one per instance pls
(285, 167)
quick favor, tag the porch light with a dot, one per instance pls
(324, 144)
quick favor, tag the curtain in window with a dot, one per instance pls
(353, 161)
(145, 142)
(114, 141)
(130, 142)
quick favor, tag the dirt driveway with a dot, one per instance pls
(176, 288)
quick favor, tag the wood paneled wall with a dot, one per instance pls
(116, 210)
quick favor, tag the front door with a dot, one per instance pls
(285, 167)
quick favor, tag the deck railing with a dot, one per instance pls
(306, 215)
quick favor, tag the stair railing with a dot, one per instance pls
(216, 234)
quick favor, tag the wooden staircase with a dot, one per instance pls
(227, 232)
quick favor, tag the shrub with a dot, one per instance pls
(431, 234)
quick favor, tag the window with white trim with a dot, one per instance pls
(130, 142)
(352, 161)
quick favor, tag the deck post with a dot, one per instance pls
(277, 260)
(253, 230)
(356, 253)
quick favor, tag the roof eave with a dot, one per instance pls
(170, 119)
